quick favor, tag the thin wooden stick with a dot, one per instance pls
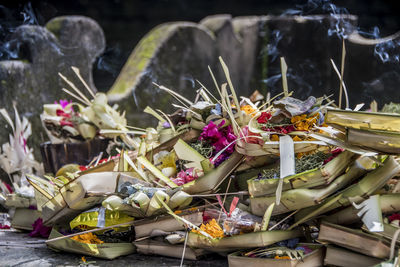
(74, 87)
(75, 96)
(184, 249)
(341, 74)
(213, 195)
(284, 219)
(98, 158)
(92, 231)
(223, 202)
(284, 77)
(205, 89)
(342, 82)
(78, 73)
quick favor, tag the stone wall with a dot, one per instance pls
(43, 52)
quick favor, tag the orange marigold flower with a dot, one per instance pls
(274, 137)
(212, 228)
(282, 257)
(88, 238)
(249, 110)
(296, 138)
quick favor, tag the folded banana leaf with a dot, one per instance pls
(337, 256)
(272, 148)
(212, 179)
(24, 218)
(83, 193)
(303, 197)
(312, 259)
(358, 192)
(363, 120)
(250, 240)
(110, 165)
(388, 232)
(17, 201)
(166, 223)
(164, 249)
(380, 141)
(307, 179)
(389, 203)
(144, 203)
(105, 251)
(355, 240)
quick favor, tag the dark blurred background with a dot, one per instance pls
(125, 22)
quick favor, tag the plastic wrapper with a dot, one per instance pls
(99, 217)
(239, 221)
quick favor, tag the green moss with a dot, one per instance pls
(139, 60)
(391, 108)
(54, 26)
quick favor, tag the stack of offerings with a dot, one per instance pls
(265, 180)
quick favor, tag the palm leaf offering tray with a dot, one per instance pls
(271, 180)
(301, 254)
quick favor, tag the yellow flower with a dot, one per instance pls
(282, 257)
(274, 137)
(249, 110)
(88, 238)
(296, 138)
(212, 228)
(302, 123)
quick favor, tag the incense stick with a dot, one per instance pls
(341, 74)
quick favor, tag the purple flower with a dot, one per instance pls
(210, 132)
(166, 125)
(63, 102)
(220, 138)
(39, 230)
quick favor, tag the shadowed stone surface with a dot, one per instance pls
(45, 51)
(18, 249)
(175, 54)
